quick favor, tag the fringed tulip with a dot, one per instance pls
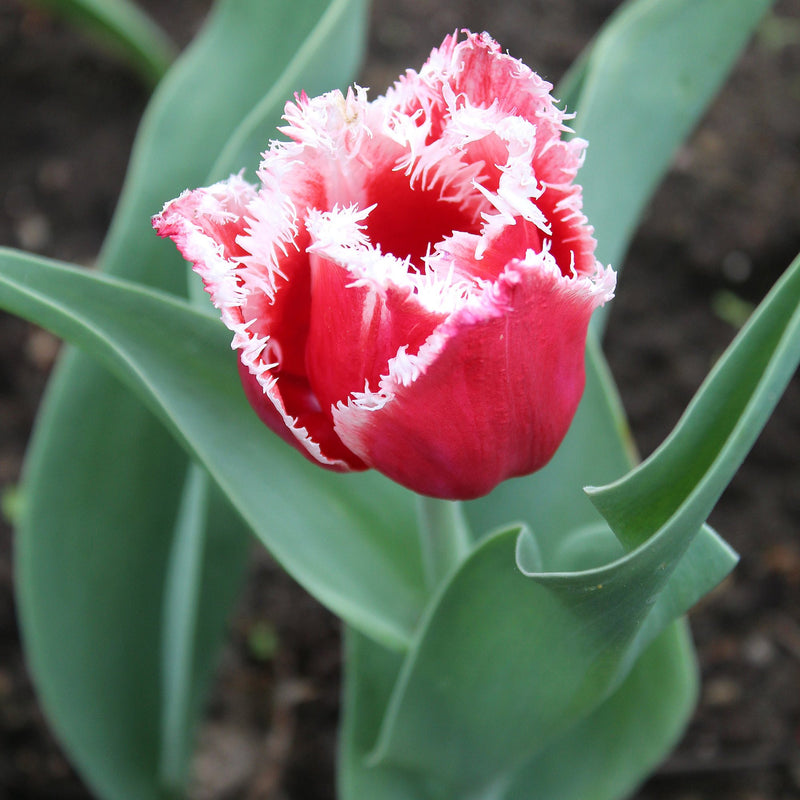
(409, 286)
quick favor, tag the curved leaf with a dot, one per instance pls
(646, 80)
(613, 749)
(126, 27)
(89, 568)
(355, 529)
(678, 485)
(552, 646)
(528, 655)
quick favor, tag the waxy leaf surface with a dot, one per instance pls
(644, 83)
(88, 540)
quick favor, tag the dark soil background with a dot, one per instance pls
(722, 228)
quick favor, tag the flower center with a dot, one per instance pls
(409, 221)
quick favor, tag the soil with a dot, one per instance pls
(724, 225)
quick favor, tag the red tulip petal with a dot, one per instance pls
(490, 394)
(263, 304)
(310, 431)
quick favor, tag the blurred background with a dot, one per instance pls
(721, 229)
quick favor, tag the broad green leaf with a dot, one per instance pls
(678, 485)
(607, 754)
(505, 660)
(585, 763)
(646, 80)
(117, 453)
(493, 676)
(90, 554)
(354, 530)
(126, 27)
(552, 646)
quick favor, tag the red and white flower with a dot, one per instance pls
(410, 285)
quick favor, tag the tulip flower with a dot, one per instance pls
(410, 284)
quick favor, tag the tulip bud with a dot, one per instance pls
(410, 284)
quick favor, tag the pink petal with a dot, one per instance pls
(492, 392)
(205, 225)
(266, 306)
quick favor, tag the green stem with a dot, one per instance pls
(444, 538)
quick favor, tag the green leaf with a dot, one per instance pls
(368, 681)
(678, 485)
(505, 660)
(125, 27)
(607, 754)
(204, 573)
(645, 725)
(502, 663)
(355, 529)
(491, 677)
(644, 83)
(89, 570)
(509, 631)
(99, 680)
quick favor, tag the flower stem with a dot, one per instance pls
(444, 537)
